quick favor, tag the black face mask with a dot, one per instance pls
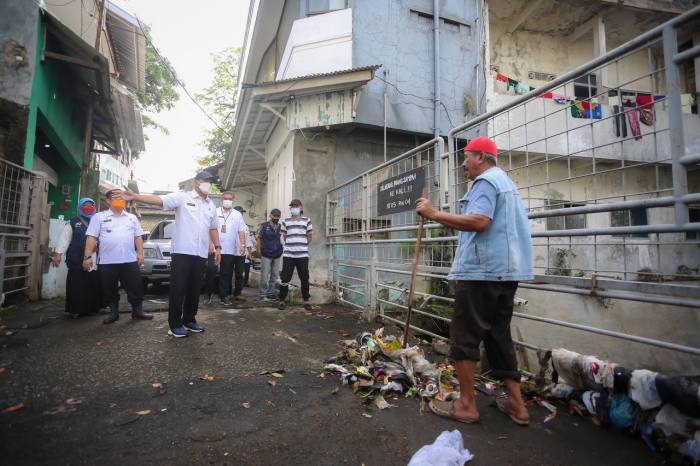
(274, 220)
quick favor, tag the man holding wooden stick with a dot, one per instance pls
(494, 254)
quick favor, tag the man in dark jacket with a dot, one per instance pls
(269, 242)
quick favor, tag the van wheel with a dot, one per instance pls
(144, 281)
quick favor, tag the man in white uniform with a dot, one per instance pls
(120, 238)
(196, 224)
(232, 234)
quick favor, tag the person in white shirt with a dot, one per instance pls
(119, 235)
(232, 235)
(247, 251)
(82, 287)
(196, 224)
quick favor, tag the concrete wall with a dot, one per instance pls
(18, 41)
(279, 153)
(401, 40)
(666, 323)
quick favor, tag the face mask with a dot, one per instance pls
(87, 210)
(295, 210)
(119, 204)
(274, 220)
(227, 204)
(205, 188)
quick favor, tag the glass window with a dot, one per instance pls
(164, 230)
(694, 215)
(564, 222)
(632, 217)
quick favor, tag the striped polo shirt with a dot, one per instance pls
(296, 229)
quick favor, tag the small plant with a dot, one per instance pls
(685, 273)
(562, 262)
(648, 275)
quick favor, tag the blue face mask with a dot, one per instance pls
(295, 210)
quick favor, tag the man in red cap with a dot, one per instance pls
(493, 255)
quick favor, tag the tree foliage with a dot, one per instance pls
(219, 99)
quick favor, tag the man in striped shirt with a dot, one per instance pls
(296, 231)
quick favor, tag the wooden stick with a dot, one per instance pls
(412, 286)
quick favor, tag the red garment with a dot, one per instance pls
(547, 95)
(644, 101)
(501, 77)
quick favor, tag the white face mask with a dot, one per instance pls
(227, 204)
(295, 210)
(205, 188)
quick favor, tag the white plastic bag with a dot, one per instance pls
(447, 450)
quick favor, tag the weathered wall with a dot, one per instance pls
(391, 35)
(279, 153)
(314, 168)
(18, 41)
(666, 323)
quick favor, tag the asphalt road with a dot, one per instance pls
(214, 407)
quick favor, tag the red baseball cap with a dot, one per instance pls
(482, 144)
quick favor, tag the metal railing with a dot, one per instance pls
(614, 214)
(16, 186)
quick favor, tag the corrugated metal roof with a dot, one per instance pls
(319, 75)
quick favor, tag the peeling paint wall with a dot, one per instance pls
(18, 42)
(330, 108)
(401, 40)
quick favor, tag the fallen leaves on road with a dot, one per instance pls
(207, 377)
(246, 405)
(278, 371)
(281, 334)
(145, 412)
(13, 409)
(272, 382)
(277, 375)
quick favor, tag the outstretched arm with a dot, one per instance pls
(128, 195)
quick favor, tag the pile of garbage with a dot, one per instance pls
(664, 411)
(377, 367)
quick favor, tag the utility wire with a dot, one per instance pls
(165, 63)
(418, 97)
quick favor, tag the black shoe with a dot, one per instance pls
(307, 306)
(137, 313)
(281, 306)
(225, 302)
(113, 314)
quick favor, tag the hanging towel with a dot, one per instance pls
(547, 95)
(634, 122)
(577, 110)
(646, 109)
(522, 88)
(596, 110)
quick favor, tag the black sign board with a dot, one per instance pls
(399, 193)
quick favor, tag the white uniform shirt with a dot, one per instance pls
(249, 245)
(194, 217)
(115, 235)
(230, 224)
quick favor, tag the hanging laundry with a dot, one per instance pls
(501, 77)
(620, 122)
(546, 95)
(645, 109)
(577, 110)
(633, 120)
(522, 88)
(596, 110)
(512, 83)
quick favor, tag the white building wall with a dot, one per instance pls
(318, 44)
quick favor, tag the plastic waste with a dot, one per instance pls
(583, 372)
(671, 421)
(590, 400)
(562, 391)
(643, 389)
(623, 412)
(447, 450)
(691, 448)
(682, 393)
(392, 387)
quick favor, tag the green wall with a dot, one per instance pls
(53, 109)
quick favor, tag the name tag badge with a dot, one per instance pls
(223, 228)
(108, 230)
(107, 220)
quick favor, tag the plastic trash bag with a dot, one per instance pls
(623, 412)
(691, 448)
(671, 421)
(583, 372)
(682, 393)
(643, 389)
(447, 450)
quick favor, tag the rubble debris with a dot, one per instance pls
(447, 450)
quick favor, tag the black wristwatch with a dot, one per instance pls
(217, 247)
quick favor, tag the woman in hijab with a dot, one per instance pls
(82, 288)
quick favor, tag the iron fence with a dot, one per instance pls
(16, 190)
(615, 214)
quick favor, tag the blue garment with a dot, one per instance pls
(81, 202)
(270, 240)
(76, 248)
(502, 252)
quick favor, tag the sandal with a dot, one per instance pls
(446, 409)
(502, 407)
